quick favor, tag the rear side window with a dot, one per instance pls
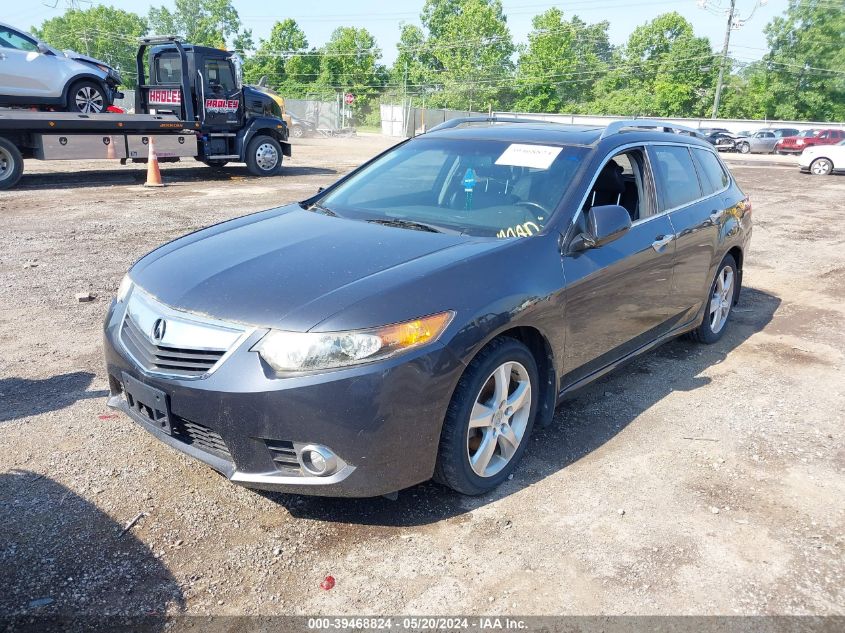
(168, 69)
(677, 181)
(713, 175)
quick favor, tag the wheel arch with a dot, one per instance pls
(265, 127)
(84, 77)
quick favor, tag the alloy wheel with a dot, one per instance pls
(266, 156)
(821, 167)
(499, 419)
(89, 100)
(722, 299)
(6, 163)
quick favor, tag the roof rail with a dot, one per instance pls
(618, 126)
(483, 119)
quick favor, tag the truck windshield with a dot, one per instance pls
(477, 187)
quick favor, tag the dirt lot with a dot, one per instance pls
(699, 480)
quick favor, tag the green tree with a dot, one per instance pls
(663, 70)
(103, 32)
(559, 68)
(283, 58)
(470, 47)
(806, 62)
(202, 22)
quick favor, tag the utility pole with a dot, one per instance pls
(734, 22)
(724, 63)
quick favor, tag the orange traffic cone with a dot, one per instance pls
(153, 172)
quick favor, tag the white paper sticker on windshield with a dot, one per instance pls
(536, 156)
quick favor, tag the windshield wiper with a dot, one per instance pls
(319, 208)
(406, 224)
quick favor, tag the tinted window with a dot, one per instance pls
(676, 176)
(714, 178)
(218, 72)
(484, 188)
(168, 69)
(13, 39)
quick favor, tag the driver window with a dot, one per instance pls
(218, 74)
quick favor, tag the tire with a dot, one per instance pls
(87, 97)
(743, 148)
(297, 131)
(505, 357)
(713, 326)
(11, 164)
(821, 167)
(264, 156)
(216, 164)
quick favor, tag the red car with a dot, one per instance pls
(808, 138)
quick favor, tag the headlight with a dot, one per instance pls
(124, 288)
(799, 142)
(311, 351)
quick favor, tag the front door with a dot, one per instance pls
(222, 97)
(27, 72)
(618, 296)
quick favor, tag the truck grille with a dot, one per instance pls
(199, 436)
(167, 360)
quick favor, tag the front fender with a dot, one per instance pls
(265, 125)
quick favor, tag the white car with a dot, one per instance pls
(822, 160)
(32, 73)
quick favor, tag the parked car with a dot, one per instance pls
(300, 127)
(762, 141)
(33, 73)
(418, 317)
(708, 131)
(822, 160)
(809, 138)
(724, 141)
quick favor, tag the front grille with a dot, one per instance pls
(199, 436)
(283, 454)
(176, 361)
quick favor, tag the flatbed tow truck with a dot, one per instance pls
(193, 105)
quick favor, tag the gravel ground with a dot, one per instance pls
(698, 480)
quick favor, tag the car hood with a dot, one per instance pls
(288, 268)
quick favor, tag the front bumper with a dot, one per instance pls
(382, 420)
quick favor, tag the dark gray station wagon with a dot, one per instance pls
(417, 318)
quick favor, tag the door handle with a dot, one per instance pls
(661, 241)
(2, 57)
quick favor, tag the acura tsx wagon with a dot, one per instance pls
(420, 316)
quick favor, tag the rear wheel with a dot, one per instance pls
(264, 156)
(720, 301)
(489, 419)
(87, 97)
(821, 167)
(11, 164)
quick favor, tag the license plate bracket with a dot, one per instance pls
(147, 404)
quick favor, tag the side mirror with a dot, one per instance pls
(44, 49)
(604, 224)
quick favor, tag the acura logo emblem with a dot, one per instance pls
(159, 328)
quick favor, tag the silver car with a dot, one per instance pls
(763, 141)
(32, 73)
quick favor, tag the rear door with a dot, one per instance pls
(691, 184)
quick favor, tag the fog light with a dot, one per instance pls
(318, 460)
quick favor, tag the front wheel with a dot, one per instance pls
(723, 293)
(86, 97)
(744, 148)
(297, 132)
(11, 164)
(489, 419)
(264, 156)
(821, 167)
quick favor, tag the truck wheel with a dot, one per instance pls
(216, 164)
(87, 97)
(264, 156)
(11, 164)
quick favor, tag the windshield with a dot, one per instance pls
(808, 133)
(480, 188)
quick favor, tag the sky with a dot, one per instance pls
(383, 19)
